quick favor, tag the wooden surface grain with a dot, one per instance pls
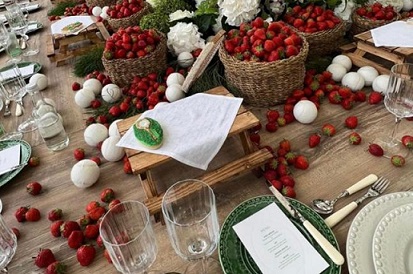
(334, 166)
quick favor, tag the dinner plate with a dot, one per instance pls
(361, 232)
(393, 242)
(25, 152)
(234, 257)
(37, 68)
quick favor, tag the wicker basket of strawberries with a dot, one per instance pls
(264, 61)
(134, 52)
(127, 13)
(369, 17)
(323, 30)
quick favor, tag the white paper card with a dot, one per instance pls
(396, 34)
(25, 71)
(276, 245)
(32, 26)
(57, 27)
(9, 158)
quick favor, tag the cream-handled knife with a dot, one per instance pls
(328, 248)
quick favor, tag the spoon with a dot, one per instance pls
(327, 206)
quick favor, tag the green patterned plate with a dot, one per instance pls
(25, 152)
(37, 68)
(234, 257)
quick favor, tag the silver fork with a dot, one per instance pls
(375, 190)
(7, 111)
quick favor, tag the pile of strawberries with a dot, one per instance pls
(377, 12)
(125, 9)
(131, 42)
(261, 41)
(311, 18)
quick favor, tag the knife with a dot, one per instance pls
(12, 168)
(328, 248)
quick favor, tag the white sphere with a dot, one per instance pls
(343, 60)
(407, 5)
(110, 151)
(105, 9)
(174, 93)
(305, 111)
(369, 74)
(111, 93)
(40, 80)
(84, 173)
(113, 129)
(185, 59)
(175, 78)
(96, 11)
(93, 84)
(84, 98)
(380, 83)
(104, 15)
(353, 80)
(95, 133)
(337, 71)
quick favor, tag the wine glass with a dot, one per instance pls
(18, 22)
(8, 245)
(191, 219)
(4, 35)
(13, 48)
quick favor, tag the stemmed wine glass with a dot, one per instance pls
(191, 218)
(8, 245)
(4, 35)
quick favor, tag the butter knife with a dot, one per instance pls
(328, 248)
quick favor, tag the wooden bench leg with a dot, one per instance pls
(248, 149)
(149, 187)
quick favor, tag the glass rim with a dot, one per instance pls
(396, 66)
(147, 222)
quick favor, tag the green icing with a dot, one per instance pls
(150, 137)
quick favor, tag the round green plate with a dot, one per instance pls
(37, 67)
(234, 257)
(25, 152)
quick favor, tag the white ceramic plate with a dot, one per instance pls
(393, 242)
(360, 235)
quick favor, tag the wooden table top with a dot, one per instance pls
(334, 166)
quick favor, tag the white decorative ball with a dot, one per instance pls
(84, 98)
(93, 84)
(407, 5)
(96, 11)
(104, 15)
(343, 60)
(305, 111)
(175, 78)
(337, 71)
(105, 9)
(110, 151)
(113, 129)
(185, 59)
(174, 93)
(111, 93)
(380, 83)
(369, 74)
(95, 133)
(85, 173)
(353, 80)
(40, 80)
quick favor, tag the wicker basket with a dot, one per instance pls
(100, 3)
(132, 20)
(362, 24)
(122, 71)
(264, 84)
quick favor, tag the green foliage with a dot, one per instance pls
(156, 20)
(170, 6)
(59, 8)
(89, 62)
(207, 7)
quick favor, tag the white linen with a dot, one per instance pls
(396, 34)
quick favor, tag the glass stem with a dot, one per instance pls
(204, 264)
(396, 126)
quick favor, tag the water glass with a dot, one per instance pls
(12, 83)
(13, 48)
(8, 244)
(127, 234)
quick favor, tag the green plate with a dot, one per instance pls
(233, 256)
(37, 67)
(25, 152)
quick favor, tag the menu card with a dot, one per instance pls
(276, 245)
(9, 158)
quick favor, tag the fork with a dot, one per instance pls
(375, 190)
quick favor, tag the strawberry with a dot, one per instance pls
(44, 258)
(287, 180)
(34, 161)
(288, 191)
(16, 232)
(375, 98)
(127, 168)
(85, 255)
(32, 215)
(96, 159)
(99, 241)
(55, 228)
(56, 268)
(75, 86)
(113, 203)
(34, 188)
(67, 227)
(285, 144)
(283, 170)
(271, 164)
(91, 231)
(289, 118)
(281, 122)
(334, 97)
(354, 138)
(55, 214)
(277, 184)
(351, 122)
(271, 127)
(376, 150)
(407, 141)
(255, 138)
(301, 162)
(84, 221)
(270, 175)
(107, 256)
(328, 130)
(92, 205)
(360, 96)
(79, 154)
(96, 213)
(290, 157)
(107, 195)
(75, 239)
(272, 115)
(397, 160)
(314, 140)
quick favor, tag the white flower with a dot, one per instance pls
(184, 37)
(277, 7)
(151, 2)
(344, 10)
(217, 26)
(180, 14)
(238, 11)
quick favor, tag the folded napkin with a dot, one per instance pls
(194, 128)
(396, 34)
(57, 27)
(10, 73)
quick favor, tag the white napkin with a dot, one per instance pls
(194, 128)
(25, 71)
(57, 27)
(396, 34)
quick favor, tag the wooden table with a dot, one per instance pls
(333, 167)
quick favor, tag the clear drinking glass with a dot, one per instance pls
(127, 234)
(191, 218)
(19, 24)
(4, 35)
(8, 245)
(13, 48)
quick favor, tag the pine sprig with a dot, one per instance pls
(89, 62)
(59, 8)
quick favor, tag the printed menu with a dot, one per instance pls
(9, 158)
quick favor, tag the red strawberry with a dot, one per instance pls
(328, 130)
(301, 162)
(397, 160)
(55, 228)
(56, 268)
(67, 227)
(375, 98)
(283, 170)
(79, 154)
(277, 184)
(270, 175)
(75, 239)
(107, 256)
(272, 115)
(91, 231)
(360, 96)
(44, 258)
(289, 118)
(314, 140)
(32, 215)
(334, 97)
(55, 214)
(75, 86)
(34, 188)
(407, 141)
(92, 205)
(99, 241)
(34, 161)
(96, 213)
(281, 121)
(20, 213)
(85, 255)
(96, 159)
(16, 232)
(255, 138)
(84, 221)
(113, 203)
(271, 164)
(107, 195)
(287, 180)
(354, 138)
(288, 192)
(271, 127)
(285, 144)
(290, 157)
(127, 168)
(351, 122)
(376, 150)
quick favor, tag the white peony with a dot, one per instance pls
(184, 37)
(237, 11)
(217, 26)
(180, 14)
(344, 10)
(277, 7)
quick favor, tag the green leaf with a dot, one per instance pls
(204, 22)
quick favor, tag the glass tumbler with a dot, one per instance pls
(8, 244)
